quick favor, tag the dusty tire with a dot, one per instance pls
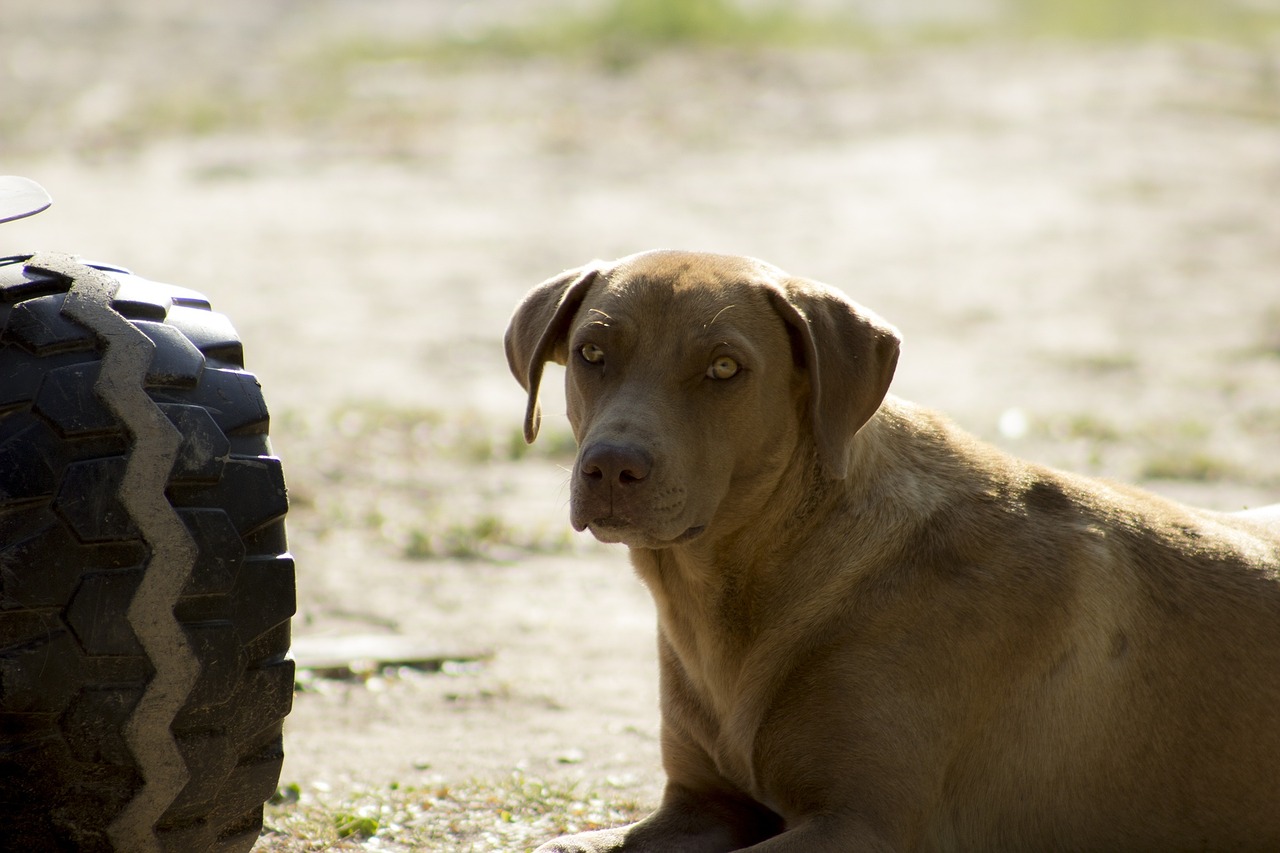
(145, 586)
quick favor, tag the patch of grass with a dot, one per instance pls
(1263, 420)
(1197, 467)
(421, 484)
(627, 25)
(1191, 430)
(711, 22)
(680, 22)
(1130, 20)
(193, 113)
(1269, 333)
(1101, 362)
(1170, 450)
(466, 540)
(518, 813)
(350, 83)
(360, 826)
(1187, 449)
(619, 33)
(1086, 426)
(551, 444)
(485, 537)
(411, 433)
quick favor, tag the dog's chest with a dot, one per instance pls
(717, 699)
(713, 680)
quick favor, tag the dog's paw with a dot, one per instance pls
(601, 841)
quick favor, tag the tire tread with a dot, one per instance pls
(71, 556)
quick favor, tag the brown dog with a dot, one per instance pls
(875, 632)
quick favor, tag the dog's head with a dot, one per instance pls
(692, 381)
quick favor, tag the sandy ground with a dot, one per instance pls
(1081, 245)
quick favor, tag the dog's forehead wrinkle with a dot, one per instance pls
(641, 301)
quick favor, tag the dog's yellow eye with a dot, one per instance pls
(723, 368)
(591, 353)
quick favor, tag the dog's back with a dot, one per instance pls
(1137, 688)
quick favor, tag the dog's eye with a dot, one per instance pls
(591, 353)
(723, 368)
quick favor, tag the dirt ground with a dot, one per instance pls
(1080, 243)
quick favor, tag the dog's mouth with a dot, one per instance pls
(612, 529)
(689, 535)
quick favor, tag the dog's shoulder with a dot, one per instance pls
(930, 475)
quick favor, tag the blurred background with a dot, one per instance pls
(367, 185)
(1071, 208)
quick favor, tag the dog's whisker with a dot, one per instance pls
(709, 323)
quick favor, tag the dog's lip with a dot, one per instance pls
(614, 524)
(611, 522)
(689, 535)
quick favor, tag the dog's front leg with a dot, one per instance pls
(686, 822)
(825, 835)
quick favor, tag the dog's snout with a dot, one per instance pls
(623, 464)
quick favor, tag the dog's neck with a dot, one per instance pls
(719, 572)
(717, 596)
(728, 611)
(751, 545)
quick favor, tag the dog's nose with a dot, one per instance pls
(624, 464)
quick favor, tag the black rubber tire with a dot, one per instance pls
(145, 585)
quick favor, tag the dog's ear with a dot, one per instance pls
(538, 333)
(850, 354)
